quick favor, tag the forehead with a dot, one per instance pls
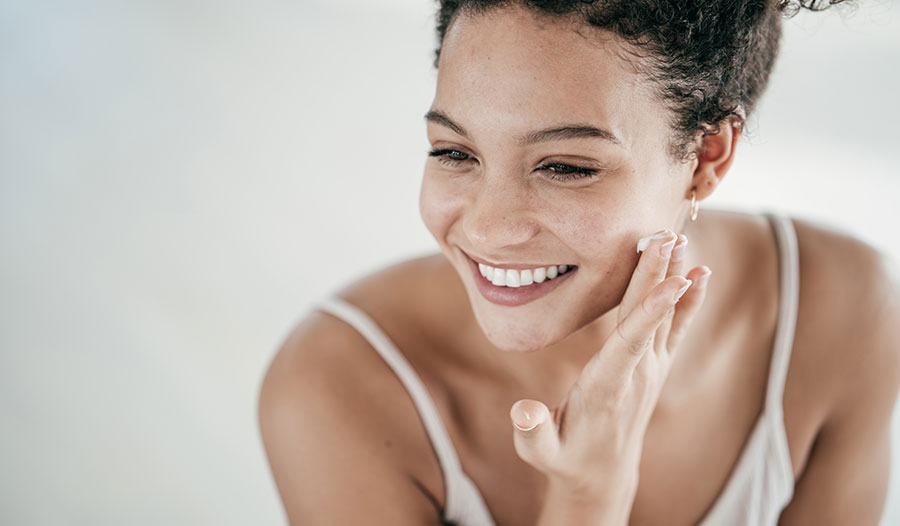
(512, 66)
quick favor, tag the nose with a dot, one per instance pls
(500, 215)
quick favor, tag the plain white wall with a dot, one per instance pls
(180, 180)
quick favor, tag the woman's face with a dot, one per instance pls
(503, 195)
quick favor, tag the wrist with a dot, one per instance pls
(611, 487)
(608, 504)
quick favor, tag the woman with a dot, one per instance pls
(566, 358)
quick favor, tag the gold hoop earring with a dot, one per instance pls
(695, 205)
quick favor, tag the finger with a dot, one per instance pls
(535, 436)
(676, 267)
(688, 306)
(614, 365)
(651, 269)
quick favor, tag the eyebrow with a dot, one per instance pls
(557, 133)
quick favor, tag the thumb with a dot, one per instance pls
(535, 436)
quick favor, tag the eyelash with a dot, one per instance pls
(575, 172)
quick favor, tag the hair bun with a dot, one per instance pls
(791, 7)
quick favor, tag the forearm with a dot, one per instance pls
(602, 508)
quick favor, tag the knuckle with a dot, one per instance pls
(636, 348)
(633, 346)
(651, 306)
(647, 310)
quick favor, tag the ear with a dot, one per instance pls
(714, 156)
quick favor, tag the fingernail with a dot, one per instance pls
(665, 250)
(679, 250)
(704, 278)
(682, 290)
(644, 242)
(525, 428)
(525, 415)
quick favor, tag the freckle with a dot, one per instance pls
(388, 443)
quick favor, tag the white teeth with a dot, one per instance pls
(499, 277)
(527, 279)
(521, 278)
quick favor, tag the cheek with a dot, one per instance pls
(438, 205)
(594, 228)
(602, 233)
(603, 227)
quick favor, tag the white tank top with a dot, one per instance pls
(761, 484)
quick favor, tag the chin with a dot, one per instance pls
(514, 336)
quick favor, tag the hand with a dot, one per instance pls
(592, 445)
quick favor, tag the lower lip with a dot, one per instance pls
(513, 296)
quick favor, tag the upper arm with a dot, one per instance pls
(846, 478)
(332, 453)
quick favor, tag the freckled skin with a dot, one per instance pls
(507, 73)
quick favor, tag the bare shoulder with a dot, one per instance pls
(340, 432)
(848, 313)
(835, 261)
(848, 339)
(850, 292)
(848, 288)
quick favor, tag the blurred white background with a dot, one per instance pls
(180, 180)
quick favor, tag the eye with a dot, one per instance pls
(556, 171)
(566, 172)
(449, 157)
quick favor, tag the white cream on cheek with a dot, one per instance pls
(644, 242)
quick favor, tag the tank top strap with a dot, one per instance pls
(464, 503)
(789, 285)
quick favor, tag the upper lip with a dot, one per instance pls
(514, 266)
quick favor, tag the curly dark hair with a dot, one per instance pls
(707, 61)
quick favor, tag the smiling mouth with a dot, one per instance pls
(507, 277)
(518, 286)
